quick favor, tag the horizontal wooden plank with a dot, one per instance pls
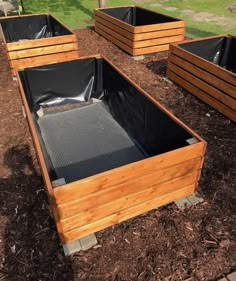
(43, 51)
(224, 90)
(158, 34)
(114, 34)
(126, 214)
(37, 43)
(157, 41)
(113, 20)
(45, 59)
(159, 26)
(202, 95)
(132, 51)
(214, 69)
(114, 40)
(117, 176)
(204, 86)
(121, 31)
(149, 50)
(122, 203)
(130, 187)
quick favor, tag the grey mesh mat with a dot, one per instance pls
(85, 141)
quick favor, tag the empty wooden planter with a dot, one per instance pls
(137, 30)
(32, 40)
(108, 151)
(207, 68)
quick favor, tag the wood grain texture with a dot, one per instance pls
(121, 203)
(202, 95)
(67, 193)
(214, 86)
(126, 214)
(46, 59)
(113, 192)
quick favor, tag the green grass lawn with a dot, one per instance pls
(76, 13)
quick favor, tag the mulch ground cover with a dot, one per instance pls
(197, 243)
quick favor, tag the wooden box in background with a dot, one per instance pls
(32, 40)
(207, 68)
(137, 30)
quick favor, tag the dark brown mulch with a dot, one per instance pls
(165, 244)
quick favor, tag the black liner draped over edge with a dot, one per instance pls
(153, 131)
(32, 27)
(220, 51)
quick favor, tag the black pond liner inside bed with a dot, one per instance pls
(32, 27)
(137, 16)
(94, 119)
(220, 51)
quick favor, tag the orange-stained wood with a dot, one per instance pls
(126, 214)
(137, 40)
(95, 212)
(213, 85)
(45, 59)
(142, 182)
(202, 95)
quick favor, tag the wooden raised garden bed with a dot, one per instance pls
(137, 30)
(207, 69)
(33, 40)
(113, 149)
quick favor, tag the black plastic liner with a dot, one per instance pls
(220, 51)
(32, 27)
(149, 129)
(136, 16)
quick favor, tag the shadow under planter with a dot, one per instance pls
(33, 40)
(137, 30)
(113, 149)
(207, 68)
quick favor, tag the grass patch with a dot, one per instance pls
(76, 13)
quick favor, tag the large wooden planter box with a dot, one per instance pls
(137, 30)
(207, 68)
(33, 40)
(115, 151)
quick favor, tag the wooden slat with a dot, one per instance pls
(21, 45)
(126, 214)
(214, 69)
(68, 192)
(95, 212)
(202, 95)
(114, 34)
(114, 40)
(149, 50)
(114, 27)
(204, 86)
(42, 51)
(130, 187)
(113, 20)
(159, 26)
(158, 34)
(158, 41)
(217, 83)
(45, 59)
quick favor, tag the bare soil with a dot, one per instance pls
(198, 243)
